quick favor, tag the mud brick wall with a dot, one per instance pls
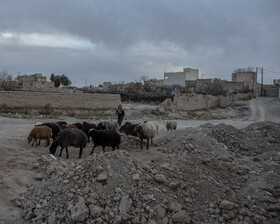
(23, 99)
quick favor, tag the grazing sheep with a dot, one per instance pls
(61, 124)
(108, 125)
(171, 125)
(55, 128)
(69, 137)
(87, 126)
(105, 138)
(40, 132)
(128, 129)
(147, 130)
(78, 125)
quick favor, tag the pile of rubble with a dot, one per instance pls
(190, 140)
(255, 139)
(115, 188)
(197, 176)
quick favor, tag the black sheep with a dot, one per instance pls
(105, 138)
(69, 137)
(78, 125)
(87, 126)
(61, 124)
(128, 129)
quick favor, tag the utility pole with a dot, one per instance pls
(262, 82)
(256, 85)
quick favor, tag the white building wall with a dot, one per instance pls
(179, 78)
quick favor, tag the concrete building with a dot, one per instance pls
(33, 82)
(249, 78)
(106, 84)
(180, 78)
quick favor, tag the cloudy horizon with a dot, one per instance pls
(120, 41)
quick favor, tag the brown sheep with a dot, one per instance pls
(40, 132)
(69, 126)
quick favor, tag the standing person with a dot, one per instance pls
(120, 113)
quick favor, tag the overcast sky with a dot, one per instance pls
(122, 40)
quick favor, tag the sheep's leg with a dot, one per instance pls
(93, 149)
(147, 143)
(39, 142)
(61, 151)
(81, 152)
(141, 141)
(48, 142)
(67, 153)
(114, 148)
(103, 148)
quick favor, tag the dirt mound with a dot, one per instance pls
(115, 188)
(190, 140)
(255, 139)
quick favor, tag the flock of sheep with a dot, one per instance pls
(106, 133)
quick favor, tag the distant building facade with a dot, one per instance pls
(249, 78)
(33, 82)
(106, 84)
(179, 78)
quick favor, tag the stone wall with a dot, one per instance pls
(82, 101)
(192, 102)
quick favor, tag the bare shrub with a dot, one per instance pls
(47, 110)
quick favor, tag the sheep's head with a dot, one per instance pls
(29, 139)
(91, 132)
(53, 148)
(122, 128)
(136, 129)
(101, 126)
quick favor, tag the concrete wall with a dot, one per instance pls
(84, 101)
(191, 102)
(270, 91)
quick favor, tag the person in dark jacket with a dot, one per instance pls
(120, 113)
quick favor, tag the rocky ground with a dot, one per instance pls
(207, 171)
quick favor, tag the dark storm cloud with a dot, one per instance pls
(134, 38)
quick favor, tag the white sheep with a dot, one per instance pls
(171, 125)
(156, 125)
(146, 130)
(109, 125)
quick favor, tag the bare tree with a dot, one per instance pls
(5, 78)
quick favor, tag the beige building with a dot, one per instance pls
(249, 78)
(34, 82)
(179, 78)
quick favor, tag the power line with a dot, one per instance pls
(271, 71)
